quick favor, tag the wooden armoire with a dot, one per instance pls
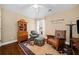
(22, 33)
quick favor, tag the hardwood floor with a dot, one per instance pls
(11, 49)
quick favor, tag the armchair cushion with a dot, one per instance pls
(34, 34)
(60, 34)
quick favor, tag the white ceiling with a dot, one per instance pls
(30, 12)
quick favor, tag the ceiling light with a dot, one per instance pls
(35, 6)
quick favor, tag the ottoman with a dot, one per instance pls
(39, 41)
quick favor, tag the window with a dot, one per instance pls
(41, 26)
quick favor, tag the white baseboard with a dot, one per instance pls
(5, 43)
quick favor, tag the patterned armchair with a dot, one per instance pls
(58, 40)
(37, 38)
(33, 35)
(40, 41)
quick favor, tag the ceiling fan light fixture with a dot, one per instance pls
(35, 6)
(50, 10)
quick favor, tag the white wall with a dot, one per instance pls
(9, 25)
(0, 23)
(31, 25)
(66, 15)
(0, 26)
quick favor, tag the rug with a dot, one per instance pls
(38, 50)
